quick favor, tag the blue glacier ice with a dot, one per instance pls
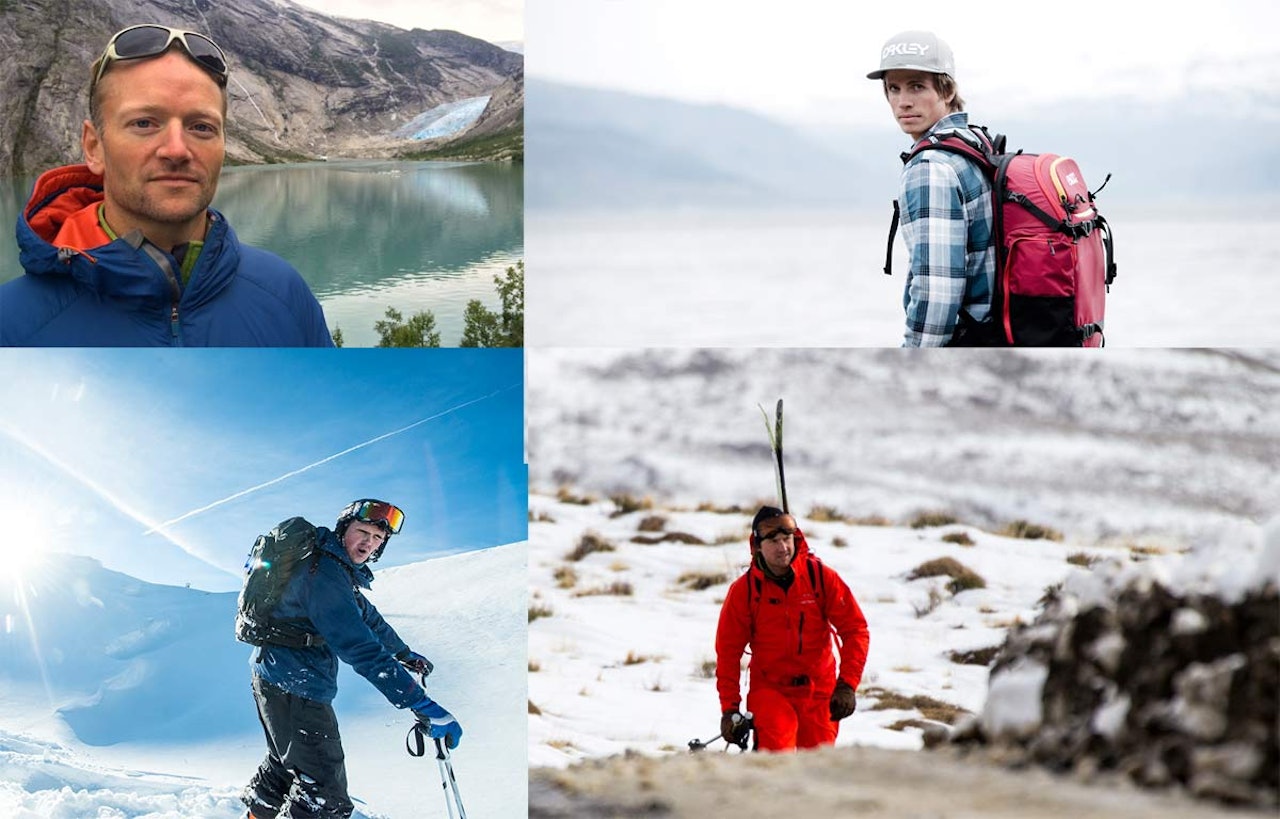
(443, 120)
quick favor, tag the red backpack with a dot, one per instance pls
(1055, 260)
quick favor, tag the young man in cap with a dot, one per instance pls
(787, 607)
(124, 250)
(321, 618)
(944, 199)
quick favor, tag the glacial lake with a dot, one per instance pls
(367, 235)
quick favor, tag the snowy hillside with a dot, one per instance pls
(1165, 447)
(621, 647)
(647, 466)
(125, 698)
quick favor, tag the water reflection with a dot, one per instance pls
(348, 226)
(366, 235)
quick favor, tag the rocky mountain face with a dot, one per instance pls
(302, 85)
(1166, 686)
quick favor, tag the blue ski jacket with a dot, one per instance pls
(130, 293)
(326, 593)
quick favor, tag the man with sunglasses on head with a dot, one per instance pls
(322, 618)
(124, 249)
(787, 607)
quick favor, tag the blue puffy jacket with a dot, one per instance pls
(123, 294)
(329, 598)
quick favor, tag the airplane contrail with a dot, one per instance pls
(100, 490)
(160, 527)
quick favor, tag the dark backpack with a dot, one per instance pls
(273, 560)
(1055, 260)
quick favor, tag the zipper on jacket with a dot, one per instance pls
(800, 635)
(174, 324)
(175, 289)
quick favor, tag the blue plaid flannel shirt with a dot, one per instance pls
(945, 202)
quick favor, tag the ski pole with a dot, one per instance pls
(449, 781)
(416, 746)
(696, 745)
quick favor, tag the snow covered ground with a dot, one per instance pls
(1151, 458)
(121, 698)
(621, 652)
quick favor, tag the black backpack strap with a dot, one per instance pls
(893, 232)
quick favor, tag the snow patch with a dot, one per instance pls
(1013, 707)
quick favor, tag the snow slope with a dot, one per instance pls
(123, 698)
(613, 672)
(1143, 457)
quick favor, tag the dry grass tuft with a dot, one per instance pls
(927, 520)
(617, 589)
(962, 577)
(697, 581)
(566, 495)
(653, 523)
(589, 543)
(929, 708)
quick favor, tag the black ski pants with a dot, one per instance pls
(304, 775)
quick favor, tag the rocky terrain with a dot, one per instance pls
(303, 85)
(1167, 686)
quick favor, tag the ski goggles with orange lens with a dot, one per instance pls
(150, 40)
(375, 511)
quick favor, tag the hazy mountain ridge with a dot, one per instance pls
(1201, 144)
(303, 85)
(1177, 444)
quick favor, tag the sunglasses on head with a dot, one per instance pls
(373, 511)
(779, 533)
(150, 40)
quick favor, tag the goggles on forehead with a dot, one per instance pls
(150, 40)
(375, 511)
(778, 533)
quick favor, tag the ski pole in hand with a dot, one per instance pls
(449, 782)
(744, 726)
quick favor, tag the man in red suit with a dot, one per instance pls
(787, 607)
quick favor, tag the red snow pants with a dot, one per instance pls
(790, 718)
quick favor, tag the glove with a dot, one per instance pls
(843, 702)
(734, 726)
(437, 722)
(415, 662)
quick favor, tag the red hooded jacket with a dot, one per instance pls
(790, 630)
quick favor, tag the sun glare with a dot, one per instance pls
(26, 543)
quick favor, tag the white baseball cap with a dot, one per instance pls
(919, 50)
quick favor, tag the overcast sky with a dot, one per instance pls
(807, 60)
(99, 447)
(498, 21)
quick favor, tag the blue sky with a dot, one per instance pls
(97, 447)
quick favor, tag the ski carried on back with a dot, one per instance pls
(775, 442)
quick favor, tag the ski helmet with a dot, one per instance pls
(388, 517)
